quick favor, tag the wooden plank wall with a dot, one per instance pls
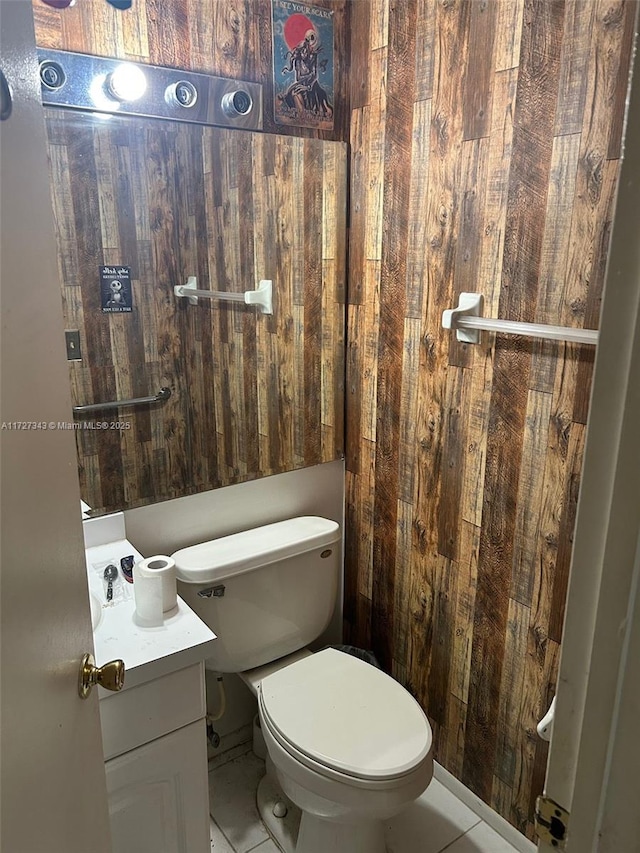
(227, 38)
(485, 142)
(252, 394)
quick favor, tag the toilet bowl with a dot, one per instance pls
(349, 745)
(351, 748)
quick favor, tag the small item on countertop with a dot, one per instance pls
(110, 574)
(154, 587)
(126, 567)
(161, 569)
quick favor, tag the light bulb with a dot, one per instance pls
(127, 82)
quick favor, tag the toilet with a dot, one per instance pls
(349, 745)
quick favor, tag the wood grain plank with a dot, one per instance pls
(577, 43)
(455, 428)
(452, 752)
(622, 49)
(441, 641)
(426, 33)
(566, 527)
(513, 673)
(465, 591)
(376, 157)
(446, 142)
(556, 252)
(353, 391)
(497, 191)
(508, 34)
(62, 202)
(357, 204)
(313, 163)
(489, 281)
(408, 408)
(359, 53)
(418, 256)
(86, 213)
(369, 349)
(468, 243)
(530, 497)
(135, 33)
(393, 272)
(402, 588)
(380, 18)
(479, 77)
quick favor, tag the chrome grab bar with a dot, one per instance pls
(162, 395)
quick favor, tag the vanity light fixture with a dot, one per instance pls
(106, 86)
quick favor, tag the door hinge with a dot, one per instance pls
(551, 822)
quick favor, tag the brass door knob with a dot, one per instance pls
(110, 676)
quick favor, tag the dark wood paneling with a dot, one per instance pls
(392, 294)
(526, 206)
(171, 201)
(227, 39)
(464, 462)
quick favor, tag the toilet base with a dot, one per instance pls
(318, 835)
(283, 830)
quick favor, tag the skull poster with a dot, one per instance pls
(303, 65)
(115, 290)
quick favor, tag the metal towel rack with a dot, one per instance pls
(468, 322)
(261, 296)
(162, 395)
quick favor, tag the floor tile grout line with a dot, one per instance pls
(222, 833)
(462, 835)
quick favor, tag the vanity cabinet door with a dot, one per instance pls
(158, 795)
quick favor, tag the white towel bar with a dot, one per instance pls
(261, 296)
(468, 322)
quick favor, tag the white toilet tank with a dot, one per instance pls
(264, 592)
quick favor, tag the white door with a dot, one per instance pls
(595, 748)
(53, 782)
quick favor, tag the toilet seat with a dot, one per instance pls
(328, 709)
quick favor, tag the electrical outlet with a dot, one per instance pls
(73, 345)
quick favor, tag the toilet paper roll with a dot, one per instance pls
(154, 587)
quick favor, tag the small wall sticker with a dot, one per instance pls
(303, 72)
(116, 295)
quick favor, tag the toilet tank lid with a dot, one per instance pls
(242, 552)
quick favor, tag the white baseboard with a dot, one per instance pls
(488, 815)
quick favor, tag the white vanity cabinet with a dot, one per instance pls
(154, 740)
(153, 731)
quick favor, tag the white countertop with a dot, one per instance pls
(148, 653)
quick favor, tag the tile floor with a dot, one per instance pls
(435, 823)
